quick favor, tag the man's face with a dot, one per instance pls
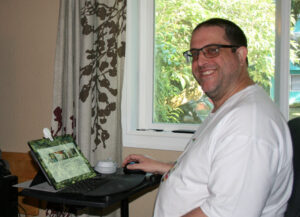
(219, 75)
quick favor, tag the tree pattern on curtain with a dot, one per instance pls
(102, 62)
(103, 23)
(58, 118)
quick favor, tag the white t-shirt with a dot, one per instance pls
(237, 164)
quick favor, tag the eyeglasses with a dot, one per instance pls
(209, 51)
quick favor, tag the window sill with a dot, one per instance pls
(156, 140)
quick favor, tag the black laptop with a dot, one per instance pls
(69, 172)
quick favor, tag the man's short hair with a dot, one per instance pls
(233, 32)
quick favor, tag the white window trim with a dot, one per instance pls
(282, 56)
(138, 75)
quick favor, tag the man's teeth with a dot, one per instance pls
(208, 72)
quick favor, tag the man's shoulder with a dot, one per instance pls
(252, 101)
(252, 109)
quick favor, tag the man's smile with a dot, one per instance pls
(209, 72)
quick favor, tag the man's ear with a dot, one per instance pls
(242, 53)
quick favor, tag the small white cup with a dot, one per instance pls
(106, 167)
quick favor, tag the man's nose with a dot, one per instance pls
(201, 59)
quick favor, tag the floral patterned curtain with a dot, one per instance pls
(89, 66)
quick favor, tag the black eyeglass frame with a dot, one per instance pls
(187, 54)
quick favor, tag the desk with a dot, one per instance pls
(97, 202)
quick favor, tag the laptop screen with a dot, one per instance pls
(61, 161)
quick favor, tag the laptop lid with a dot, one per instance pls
(61, 161)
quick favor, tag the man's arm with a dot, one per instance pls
(195, 213)
(146, 164)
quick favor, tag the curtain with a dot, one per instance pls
(89, 64)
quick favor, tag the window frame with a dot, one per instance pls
(295, 82)
(138, 78)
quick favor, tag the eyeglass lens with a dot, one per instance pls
(210, 51)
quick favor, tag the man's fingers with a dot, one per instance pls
(132, 157)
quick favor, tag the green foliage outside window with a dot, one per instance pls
(295, 41)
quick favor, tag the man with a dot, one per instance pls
(239, 161)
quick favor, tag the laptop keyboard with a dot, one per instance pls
(103, 186)
(84, 186)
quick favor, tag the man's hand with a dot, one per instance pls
(146, 164)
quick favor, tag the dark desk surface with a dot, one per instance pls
(98, 202)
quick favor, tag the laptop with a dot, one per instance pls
(65, 168)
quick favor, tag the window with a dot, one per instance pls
(138, 91)
(294, 96)
(178, 98)
(295, 82)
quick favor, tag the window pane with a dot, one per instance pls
(177, 96)
(295, 82)
(294, 98)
